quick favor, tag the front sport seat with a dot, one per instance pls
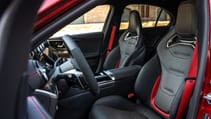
(160, 83)
(131, 49)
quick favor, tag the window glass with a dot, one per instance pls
(148, 14)
(92, 21)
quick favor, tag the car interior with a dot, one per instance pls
(129, 69)
(157, 84)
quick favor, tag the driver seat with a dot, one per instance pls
(160, 83)
(131, 49)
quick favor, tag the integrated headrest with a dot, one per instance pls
(135, 25)
(186, 19)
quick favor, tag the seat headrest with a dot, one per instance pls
(135, 25)
(186, 19)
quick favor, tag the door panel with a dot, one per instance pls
(89, 44)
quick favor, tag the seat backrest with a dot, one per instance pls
(131, 48)
(161, 81)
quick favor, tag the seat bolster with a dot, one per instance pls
(138, 57)
(146, 79)
(112, 59)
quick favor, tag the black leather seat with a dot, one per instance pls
(131, 49)
(116, 107)
(160, 83)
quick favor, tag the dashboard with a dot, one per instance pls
(51, 72)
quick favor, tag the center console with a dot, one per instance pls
(118, 81)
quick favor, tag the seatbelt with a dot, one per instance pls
(189, 84)
(111, 40)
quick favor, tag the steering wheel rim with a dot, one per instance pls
(82, 64)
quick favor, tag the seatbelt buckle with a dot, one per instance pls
(130, 95)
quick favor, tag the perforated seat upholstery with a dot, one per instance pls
(160, 82)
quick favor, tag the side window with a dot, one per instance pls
(92, 21)
(151, 16)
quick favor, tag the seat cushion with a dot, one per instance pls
(116, 107)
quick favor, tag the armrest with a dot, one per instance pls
(123, 73)
(118, 81)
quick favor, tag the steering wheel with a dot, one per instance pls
(82, 64)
